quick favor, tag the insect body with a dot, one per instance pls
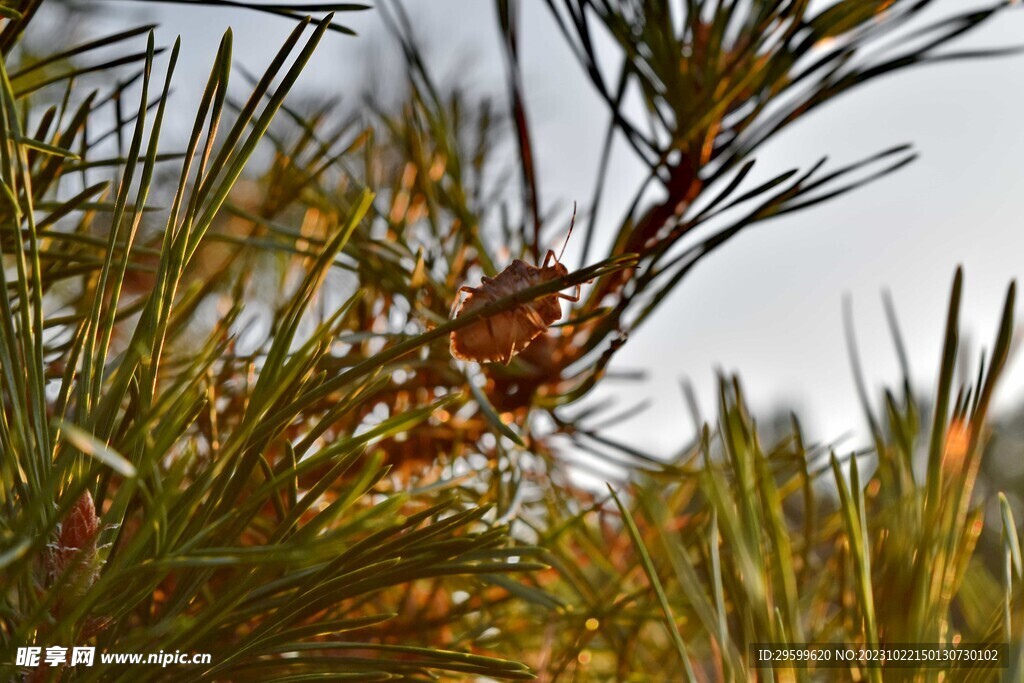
(501, 336)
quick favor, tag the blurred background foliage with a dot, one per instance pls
(231, 422)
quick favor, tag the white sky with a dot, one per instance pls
(768, 304)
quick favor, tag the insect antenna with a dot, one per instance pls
(572, 224)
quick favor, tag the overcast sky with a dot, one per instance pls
(769, 304)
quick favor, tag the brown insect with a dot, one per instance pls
(501, 336)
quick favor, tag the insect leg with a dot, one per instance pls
(534, 317)
(574, 297)
(549, 256)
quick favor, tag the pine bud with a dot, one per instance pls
(76, 549)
